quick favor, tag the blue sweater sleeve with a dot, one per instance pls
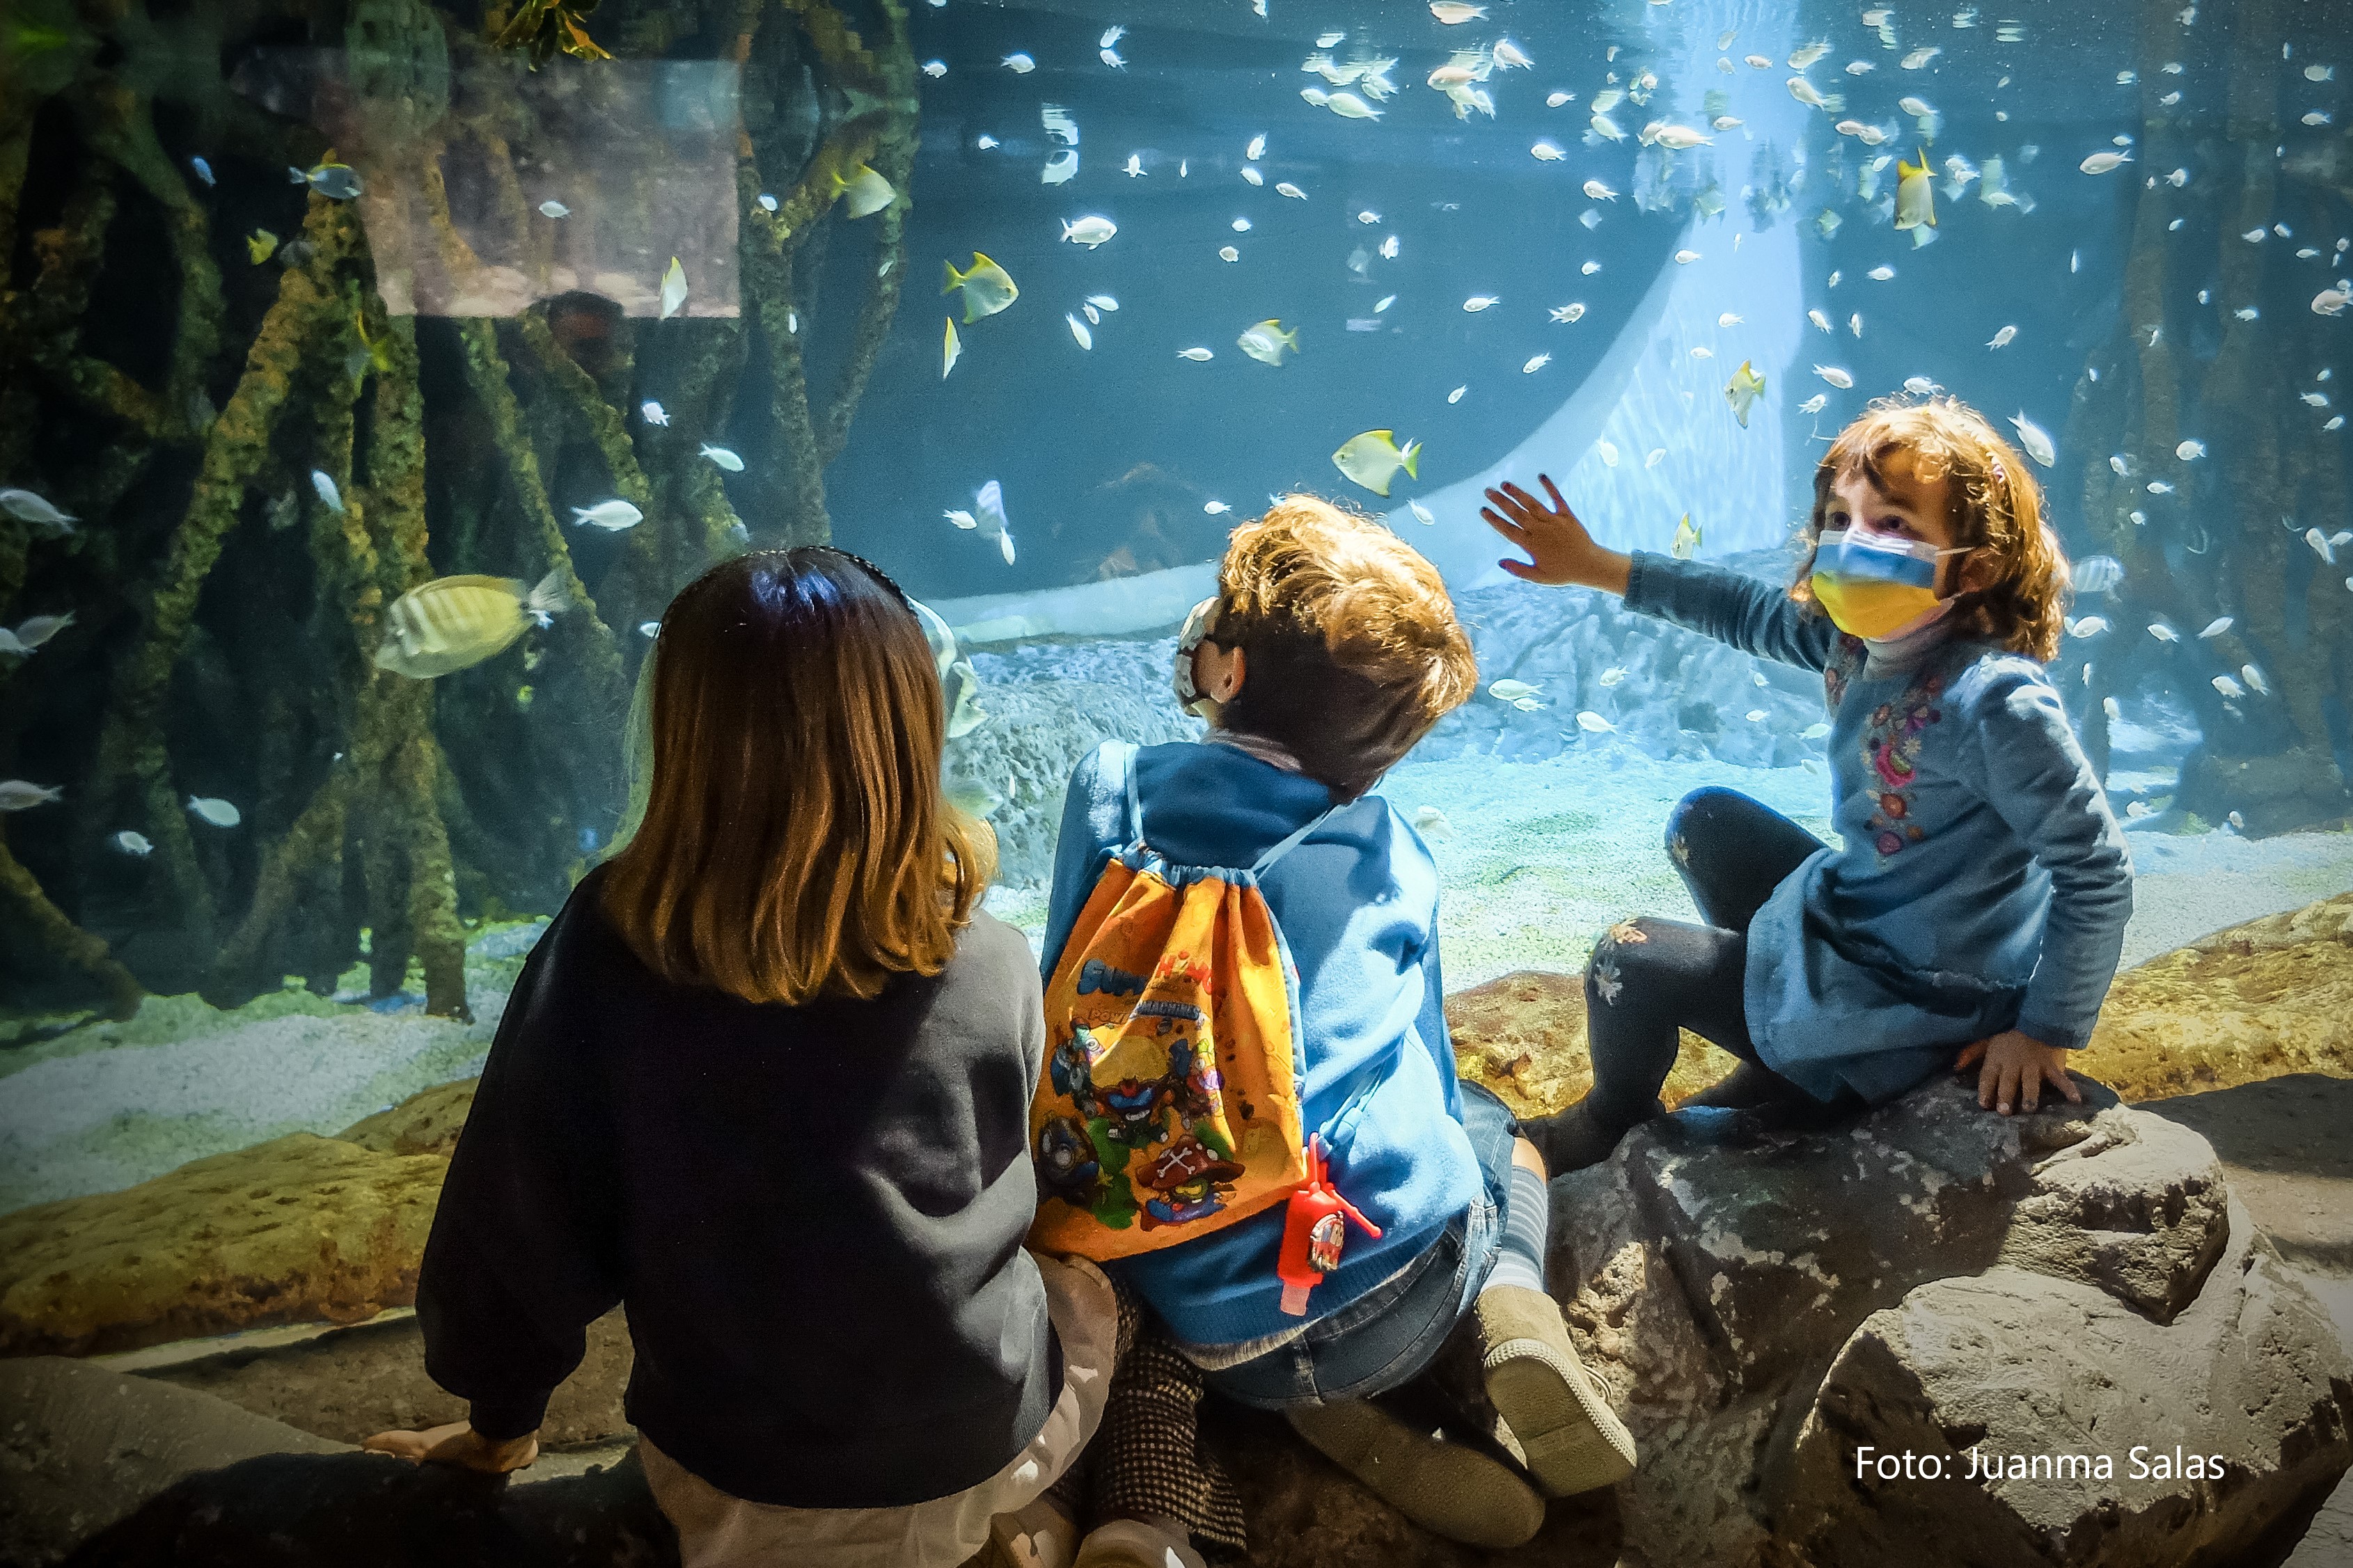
(2032, 772)
(1094, 824)
(1732, 607)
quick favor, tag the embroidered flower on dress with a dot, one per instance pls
(1891, 746)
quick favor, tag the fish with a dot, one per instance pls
(935, 68)
(1286, 188)
(1815, 403)
(1456, 395)
(1606, 100)
(768, 201)
(1915, 196)
(336, 181)
(1804, 93)
(1453, 13)
(718, 455)
(1086, 339)
(26, 507)
(1726, 123)
(1349, 106)
(673, 289)
(1820, 320)
(1757, 62)
(1372, 458)
(1555, 99)
(950, 349)
(323, 483)
(1730, 319)
(987, 288)
(2098, 574)
(1593, 724)
(1481, 301)
(1090, 231)
(130, 843)
(17, 795)
(2163, 633)
(1685, 257)
(204, 172)
(1591, 267)
(961, 518)
(1599, 192)
(2101, 162)
(1808, 54)
(1919, 57)
(1257, 148)
(1195, 354)
(2089, 627)
(1265, 342)
(1228, 253)
(988, 511)
(1102, 302)
(261, 245)
(1019, 64)
(1608, 451)
(1216, 507)
(1536, 363)
(1111, 36)
(1859, 67)
(1061, 168)
(1572, 311)
(2217, 626)
(1603, 126)
(31, 632)
(1546, 152)
(215, 810)
(1681, 138)
(2331, 301)
(650, 629)
(1686, 541)
(1880, 273)
(2189, 451)
(1112, 57)
(2160, 488)
(1430, 823)
(2002, 339)
(1383, 303)
(2320, 73)
(616, 515)
(864, 192)
(1834, 277)
(1528, 705)
(2227, 687)
(2322, 545)
(2253, 676)
(1742, 391)
(1250, 174)
(1835, 377)
(554, 208)
(453, 623)
(1421, 514)
(1509, 691)
(2035, 439)
(1611, 677)
(1655, 457)
(1317, 96)
(1509, 56)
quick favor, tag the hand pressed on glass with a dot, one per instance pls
(1559, 547)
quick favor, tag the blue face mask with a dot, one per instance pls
(1878, 557)
(1877, 586)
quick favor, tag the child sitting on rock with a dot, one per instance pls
(1979, 897)
(1330, 649)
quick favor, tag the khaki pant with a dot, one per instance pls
(716, 1530)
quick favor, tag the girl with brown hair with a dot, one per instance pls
(765, 1080)
(1980, 898)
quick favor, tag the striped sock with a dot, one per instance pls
(1521, 1261)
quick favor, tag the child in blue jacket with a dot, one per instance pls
(1331, 648)
(1978, 897)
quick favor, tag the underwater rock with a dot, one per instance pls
(2255, 1001)
(1523, 1035)
(1763, 1306)
(2272, 795)
(426, 1122)
(299, 1229)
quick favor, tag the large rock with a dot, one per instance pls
(2256, 1000)
(299, 1230)
(1523, 1035)
(1936, 1281)
(426, 1122)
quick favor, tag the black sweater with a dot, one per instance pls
(814, 1215)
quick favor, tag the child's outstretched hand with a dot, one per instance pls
(2016, 1067)
(1559, 548)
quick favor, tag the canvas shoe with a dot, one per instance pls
(1132, 1543)
(1037, 1535)
(1557, 1409)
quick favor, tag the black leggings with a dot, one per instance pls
(1650, 978)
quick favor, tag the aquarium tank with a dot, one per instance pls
(373, 371)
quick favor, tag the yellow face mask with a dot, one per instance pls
(1875, 587)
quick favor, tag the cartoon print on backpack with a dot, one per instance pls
(1187, 1181)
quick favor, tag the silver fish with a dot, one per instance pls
(17, 795)
(26, 507)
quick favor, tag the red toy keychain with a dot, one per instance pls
(1313, 1230)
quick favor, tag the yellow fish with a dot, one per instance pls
(950, 350)
(1687, 540)
(1915, 197)
(673, 290)
(261, 245)
(987, 288)
(867, 191)
(1372, 459)
(1266, 342)
(1742, 391)
(452, 622)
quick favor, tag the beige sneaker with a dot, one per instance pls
(1446, 1488)
(1132, 1543)
(1556, 1408)
(1037, 1535)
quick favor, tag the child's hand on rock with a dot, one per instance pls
(458, 1442)
(2015, 1069)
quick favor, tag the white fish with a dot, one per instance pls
(1102, 302)
(1593, 724)
(2217, 626)
(1228, 253)
(1252, 176)
(1094, 317)
(215, 810)
(1536, 364)
(653, 412)
(1685, 257)
(323, 483)
(1430, 823)
(721, 456)
(1599, 192)
(1612, 677)
(1453, 13)
(1572, 311)
(2035, 439)
(1815, 403)
(1915, 107)
(1528, 705)
(1078, 330)
(1020, 65)
(1919, 385)
(554, 208)
(2227, 687)
(1591, 267)
(1555, 99)
(2101, 162)
(1804, 93)
(935, 68)
(1216, 507)
(1257, 148)
(768, 203)
(2163, 633)
(1655, 457)
(1112, 35)
(988, 509)
(1090, 231)
(2089, 627)
(131, 843)
(1681, 138)
(673, 290)
(1421, 514)
(1726, 123)
(2246, 313)
(1758, 62)
(17, 795)
(1481, 301)
(984, 141)
(1835, 377)
(1609, 453)
(1286, 188)
(1509, 690)
(1509, 56)
(30, 633)
(1919, 57)
(2253, 676)
(1369, 217)
(1606, 127)
(2327, 303)
(1111, 59)
(612, 516)
(2320, 73)
(1134, 168)
(1389, 248)
(961, 518)
(1544, 152)
(1195, 354)
(1730, 319)
(26, 507)
(1808, 54)
(2002, 339)
(1456, 395)
(2160, 488)
(1859, 67)
(1820, 320)
(2322, 545)
(650, 629)
(1349, 106)
(2190, 451)
(1814, 732)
